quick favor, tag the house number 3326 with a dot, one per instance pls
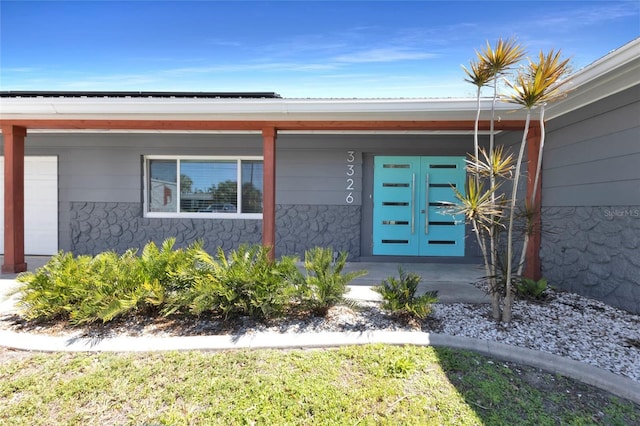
(350, 173)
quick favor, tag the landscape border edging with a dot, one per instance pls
(616, 384)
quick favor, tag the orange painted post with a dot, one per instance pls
(269, 135)
(533, 267)
(14, 199)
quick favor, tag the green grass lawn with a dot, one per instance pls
(359, 385)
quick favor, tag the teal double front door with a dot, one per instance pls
(407, 216)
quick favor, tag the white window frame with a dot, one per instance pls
(197, 215)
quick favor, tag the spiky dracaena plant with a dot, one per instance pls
(540, 82)
(490, 65)
(480, 76)
(484, 208)
(498, 61)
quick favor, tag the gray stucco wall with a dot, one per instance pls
(101, 182)
(591, 201)
(101, 187)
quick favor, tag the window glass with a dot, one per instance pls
(252, 186)
(208, 186)
(197, 186)
(163, 196)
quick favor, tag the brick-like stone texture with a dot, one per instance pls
(299, 228)
(594, 251)
(97, 227)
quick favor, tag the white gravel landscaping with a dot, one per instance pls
(569, 325)
(566, 324)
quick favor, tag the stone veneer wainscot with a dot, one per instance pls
(97, 227)
(594, 251)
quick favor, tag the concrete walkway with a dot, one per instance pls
(452, 282)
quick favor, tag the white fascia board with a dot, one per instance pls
(615, 59)
(248, 109)
(613, 73)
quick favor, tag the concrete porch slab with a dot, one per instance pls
(453, 282)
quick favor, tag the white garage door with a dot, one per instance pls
(40, 205)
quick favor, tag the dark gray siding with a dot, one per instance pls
(591, 201)
(107, 168)
(592, 156)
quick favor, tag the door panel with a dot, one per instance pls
(395, 195)
(444, 234)
(408, 193)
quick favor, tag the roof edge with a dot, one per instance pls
(617, 71)
(134, 94)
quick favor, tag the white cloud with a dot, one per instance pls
(383, 55)
(589, 15)
(248, 67)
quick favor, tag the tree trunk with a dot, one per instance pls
(495, 300)
(475, 133)
(508, 298)
(493, 290)
(523, 255)
(507, 310)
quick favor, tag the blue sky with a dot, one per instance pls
(299, 49)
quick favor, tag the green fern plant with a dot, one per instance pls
(159, 266)
(100, 288)
(530, 288)
(254, 284)
(53, 289)
(114, 289)
(325, 283)
(244, 282)
(399, 295)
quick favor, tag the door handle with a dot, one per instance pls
(426, 204)
(413, 204)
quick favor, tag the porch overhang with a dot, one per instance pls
(159, 125)
(267, 117)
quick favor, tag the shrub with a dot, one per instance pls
(158, 266)
(115, 288)
(82, 289)
(246, 282)
(54, 289)
(398, 295)
(324, 284)
(530, 288)
(87, 289)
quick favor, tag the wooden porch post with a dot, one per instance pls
(14, 199)
(533, 267)
(269, 135)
